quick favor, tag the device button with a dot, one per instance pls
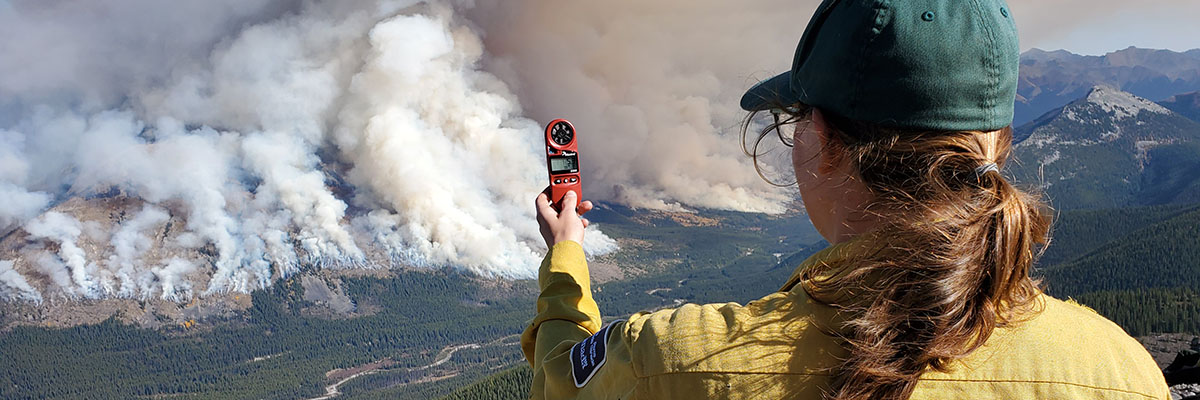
(573, 180)
(557, 181)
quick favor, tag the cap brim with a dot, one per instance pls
(771, 93)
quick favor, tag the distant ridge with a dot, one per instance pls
(1187, 104)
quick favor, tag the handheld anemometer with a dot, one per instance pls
(562, 161)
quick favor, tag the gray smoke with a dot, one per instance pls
(20, 204)
(653, 88)
(92, 54)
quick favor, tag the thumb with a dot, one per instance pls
(569, 202)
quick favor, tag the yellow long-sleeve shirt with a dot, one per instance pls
(773, 348)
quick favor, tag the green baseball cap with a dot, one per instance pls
(920, 64)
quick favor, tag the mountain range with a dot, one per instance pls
(1051, 79)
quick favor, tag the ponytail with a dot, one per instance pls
(950, 263)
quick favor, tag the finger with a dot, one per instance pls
(543, 206)
(569, 202)
(586, 222)
(584, 207)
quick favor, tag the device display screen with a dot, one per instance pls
(563, 164)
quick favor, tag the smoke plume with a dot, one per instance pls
(264, 137)
(64, 230)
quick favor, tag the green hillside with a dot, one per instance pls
(1137, 266)
(1165, 254)
(1078, 232)
(1171, 175)
(1146, 311)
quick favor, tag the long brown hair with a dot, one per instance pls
(949, 264)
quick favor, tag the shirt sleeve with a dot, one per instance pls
(571, 356)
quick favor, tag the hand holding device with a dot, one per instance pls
(562, 161)
(558, 226)
(559, 215)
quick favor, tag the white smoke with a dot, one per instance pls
(285, 135)
(123, 277)
(442, 159)
(173, 276)
(13, 286)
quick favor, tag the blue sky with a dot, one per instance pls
(1102, 38)
(1100, 26)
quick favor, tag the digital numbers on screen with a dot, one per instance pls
(560, 165)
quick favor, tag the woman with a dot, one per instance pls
(902, 114)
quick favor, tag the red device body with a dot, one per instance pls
(562, 161)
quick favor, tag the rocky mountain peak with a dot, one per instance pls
(1107, 114)
(1122, 104)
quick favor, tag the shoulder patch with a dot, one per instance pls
(588, 355)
